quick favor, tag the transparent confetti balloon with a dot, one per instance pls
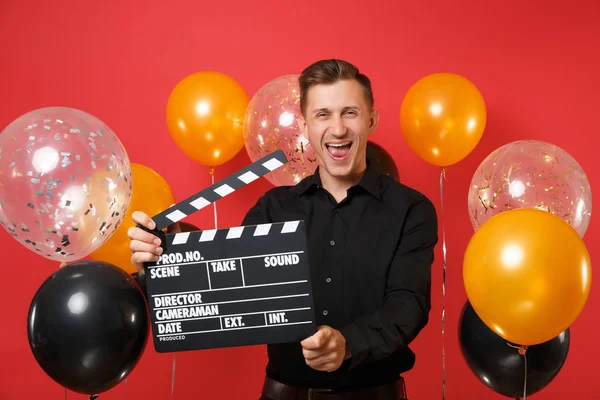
(271, 123)
(531, 174)
(65, 182)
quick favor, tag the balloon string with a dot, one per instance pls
(65, 393)
(173, 377)
(214, 202)
(525, 380)
(127, 386)
(442, 178)
(523, 352)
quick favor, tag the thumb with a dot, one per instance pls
(315, 341)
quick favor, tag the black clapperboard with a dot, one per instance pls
(228, 287)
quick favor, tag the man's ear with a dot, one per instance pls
(373, 121)
(302, 126)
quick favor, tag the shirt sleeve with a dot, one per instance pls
(407, 303)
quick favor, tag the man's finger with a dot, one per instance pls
(314, 342)
(142, 257)
(322, 359)
(137, 265)
(139, 246)
(315, 354)
(135, 233)
(328, 346)
(143, 219)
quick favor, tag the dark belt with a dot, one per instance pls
(276, 390)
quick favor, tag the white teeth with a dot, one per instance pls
(338, 145)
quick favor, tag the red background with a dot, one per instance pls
(535, 63)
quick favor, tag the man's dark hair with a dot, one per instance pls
(331, 71)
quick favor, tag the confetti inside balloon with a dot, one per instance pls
(271, 123)
(151, 194)
(531, 174)
(65, 182)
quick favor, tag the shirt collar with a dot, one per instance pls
(371, 182)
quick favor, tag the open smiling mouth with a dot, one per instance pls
(338, 151)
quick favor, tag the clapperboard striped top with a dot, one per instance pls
(233, 233)
(220, 189)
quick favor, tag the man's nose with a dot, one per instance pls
(338, 128)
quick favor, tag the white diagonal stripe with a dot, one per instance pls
(200, 203)
(176, 215)
(262, 230)
(208, 235)
(248, 177)
(181, 238)
(272, 164)
(224, 190)
(235, 233)
(290, 227)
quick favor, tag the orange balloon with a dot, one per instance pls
(527, 274)
(205, 115)
(150, 194)
(442, 118)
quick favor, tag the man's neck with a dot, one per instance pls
(338, 186)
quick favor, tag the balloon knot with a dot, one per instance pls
(443, 174)
(211, 170)
(522, 350)
(94, 396)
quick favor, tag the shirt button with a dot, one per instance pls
(325, 312)
(337, 210)
(332, 243)
(328, 280)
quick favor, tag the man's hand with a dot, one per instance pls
(144, 246)
(325, 350)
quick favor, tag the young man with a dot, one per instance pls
(371, 245)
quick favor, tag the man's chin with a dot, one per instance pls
(339, 171)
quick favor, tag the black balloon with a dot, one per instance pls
(382, 160)
(500, 366)
(88, 326)
(141, 281)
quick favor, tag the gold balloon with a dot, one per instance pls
(442, 118)
(527, 274)
(205, 115)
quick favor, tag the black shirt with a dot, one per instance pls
(370, 258)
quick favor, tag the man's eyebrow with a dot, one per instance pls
(326, 110)
(318, 110)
